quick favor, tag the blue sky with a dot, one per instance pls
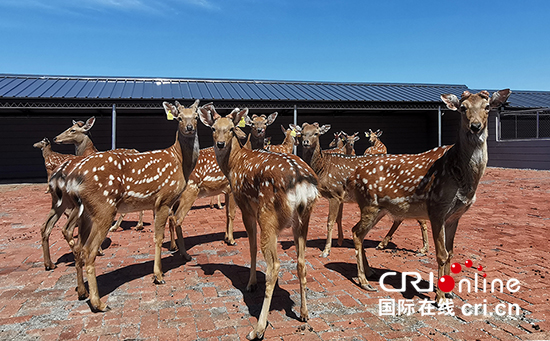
(482, 44)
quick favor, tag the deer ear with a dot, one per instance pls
(366, 134)
(271, 118)
(248, 121)
(283, 129)
(89, 123)
(298, 129)
(170, 110)
(195, 105)
(208, 115)
(324, 129)
(74, 122)
(500, 97)
(451, 101)
(237, 116)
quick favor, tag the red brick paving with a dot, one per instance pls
(506, 232)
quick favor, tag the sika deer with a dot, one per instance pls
(107, 182)
(377, 146)
(337, 145)
(333, 171)
(288, 143)
(51, 159)
(258, 125)
(275, 190)
(427, 186)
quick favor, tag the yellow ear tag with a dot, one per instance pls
(169, 115)
(242, 123)
(293, 133)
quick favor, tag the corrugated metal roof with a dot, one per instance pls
(110, 88)
(21, 87)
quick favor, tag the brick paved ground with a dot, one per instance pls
(506, 232)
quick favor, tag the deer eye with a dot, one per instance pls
(213, 129)
(488, 107)
(73, 130)
(463, 107)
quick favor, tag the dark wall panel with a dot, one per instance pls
(532, 154)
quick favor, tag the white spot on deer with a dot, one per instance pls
(105, 193)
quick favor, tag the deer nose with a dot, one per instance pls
(189, 127)
(475, 127)
(305, 143)
(220, 145)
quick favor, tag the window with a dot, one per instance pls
(524, 125)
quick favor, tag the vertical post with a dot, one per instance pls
(295, 123)
(538, 124)
(113, 127)
(439, 126)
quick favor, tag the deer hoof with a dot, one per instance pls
(254, 335)
(230, 242)
(103, 309)
(49, 267)
(186, 256)
(325, 254)
(368, 287)
(304, 318)
(156, 281)
(83, 296)
(251, 287)
(139, 227)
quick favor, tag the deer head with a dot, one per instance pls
(187, 117)
(309, 133)
(259, 124)
(223, 128)
(76, 134)
(373, 136)
(474, 109)
(42, 144)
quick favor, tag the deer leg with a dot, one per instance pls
(230, 210)
(46, 230)
(450, 231)
(118, 222)
(339, 222)
(269, 250)
(369, 217)
(139, 225)
(250, 225)
(220, 206)
(300, 237)
(83, 233)
(425, 243)
(334, 206)
(384, 243)
(441, 254)
(186, 201)
(89, 252)
(68, 229)
(161, 215)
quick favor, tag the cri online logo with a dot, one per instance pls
(447, 283)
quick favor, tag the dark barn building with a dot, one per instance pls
(129, 114)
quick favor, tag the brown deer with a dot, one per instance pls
(275, 190)
(76, 134)
(288, 143)
(427, 185)
(206, 180)
(104, 183)
(51, 159)
(337, 145)
(258, 126)
(333, 170)
(349, 142)
(377, 146)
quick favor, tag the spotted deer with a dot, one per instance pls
(288, 143)
(77, 134)
(337, 145)
(276, 191)
(104, 183)
(206, 180)
(258, 126)
(51, 159)
(377, 146)
(333, 170)
(440, 188)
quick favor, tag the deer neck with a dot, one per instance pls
(469, 159)
(85, 147)
(315, 158)
(228, 157)
(256, 142)
(187, 150)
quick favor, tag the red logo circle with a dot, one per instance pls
(468, 263)
(446, 283)
(456, 268)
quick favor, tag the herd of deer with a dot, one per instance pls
(272, 187)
